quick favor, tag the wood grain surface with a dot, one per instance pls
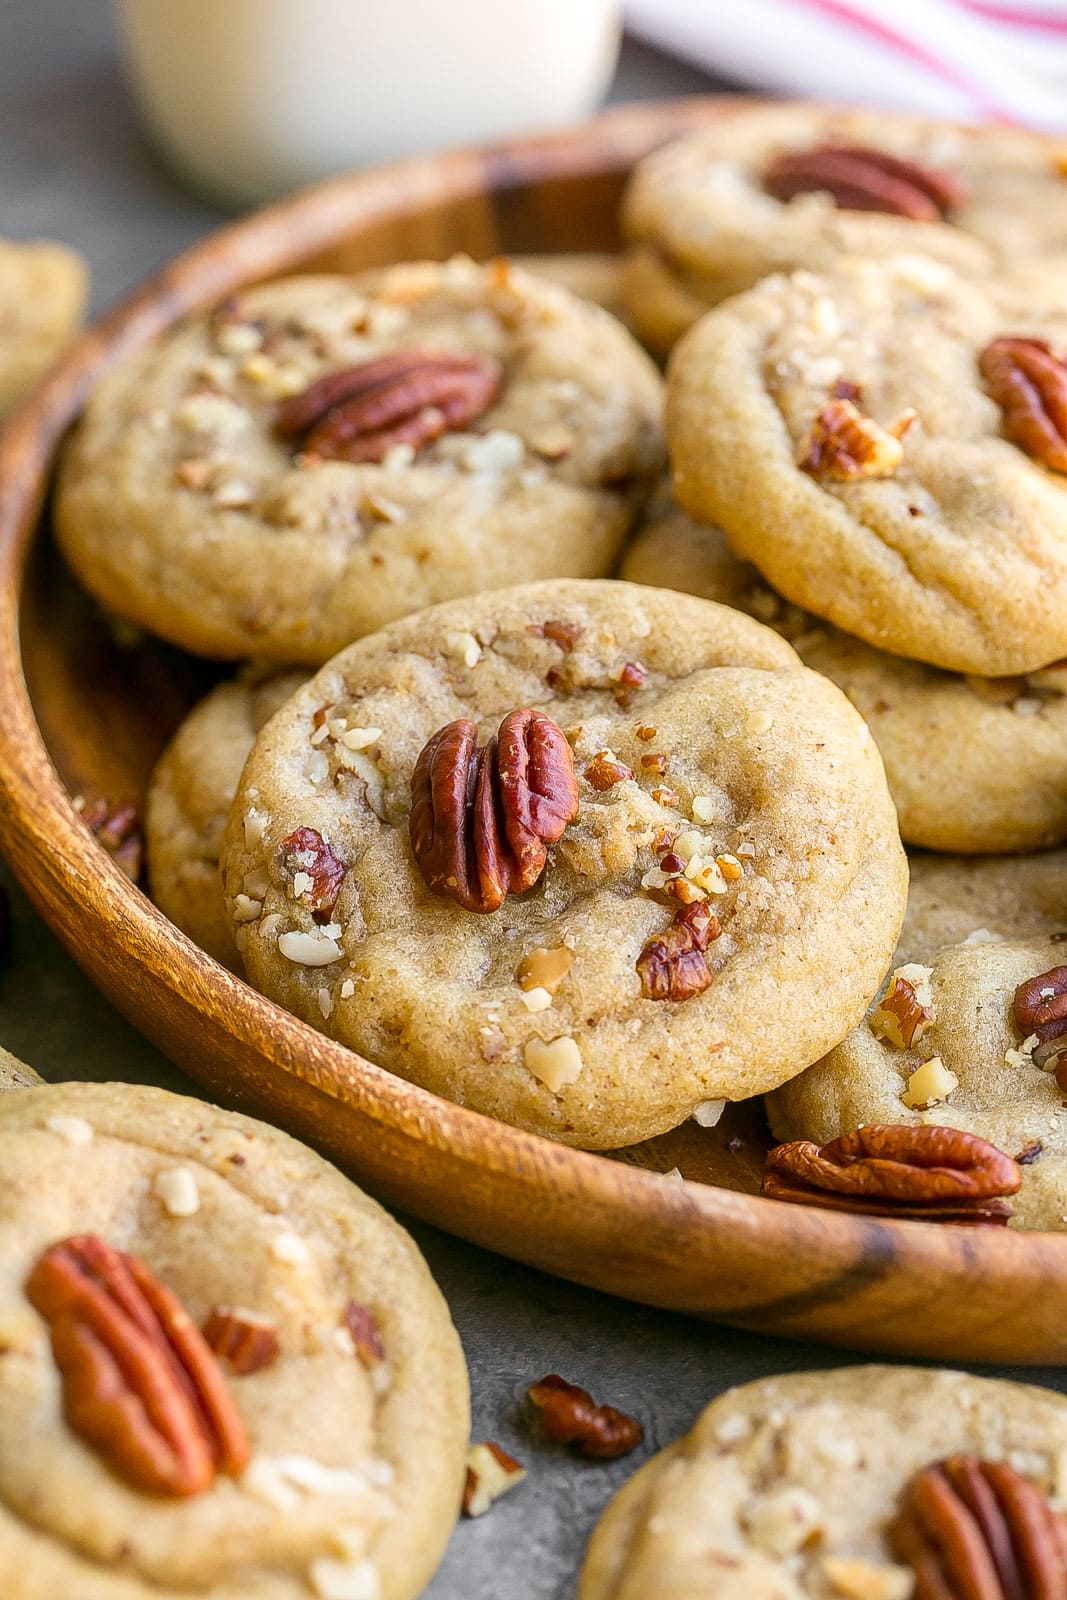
(84, 709)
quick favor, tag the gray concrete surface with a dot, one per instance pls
(74, 165)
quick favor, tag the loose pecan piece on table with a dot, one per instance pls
(672, 965)
(1039, 1007)
(570, 1415)
(306, 851)
(859, 179)
(409, 397)
(846, 444)
(979, 1530)
(924, 1173)
(140, 1384)
(1028, 381)
(483, 817)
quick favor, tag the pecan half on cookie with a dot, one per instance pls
(930, 1173)
(140, 1383)
(482, 817)
(409, 397)
(1039, 1007)
(859, 179)
(1028, 380)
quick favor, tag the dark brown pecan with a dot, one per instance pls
(672, 965)
(245, 1342)
(629, 678)
(139, 1381)
(361, 1324)
(482, 818)
(860, 179)
(409, 397)
(1040, 1005)
(1028, 381)
(571, 1416)
(306, 851)
(565, 634)
(118, 829)
(940, 1174)
(978, 1530)
(846, 444)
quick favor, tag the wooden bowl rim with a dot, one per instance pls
(41, 832)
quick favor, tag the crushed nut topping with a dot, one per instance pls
(491, 1472)
(672, 965)
(554, 1062)
(245, 1341)
(570, 1415)
(628, 680)
(363, 1327)
(906, 1010)
(846, 444)
(929, 1085)
(314, 873)
(605, 770)
(565, 634)
(545, 968)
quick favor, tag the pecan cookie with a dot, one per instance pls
(189, 797)
(15, 1074)
(226, 1370)
(42, 297)
(977, 765)
(773, 188)
(324, 454)
(865, 1483)
(946, 1042)
(880, 443)
(406, 866)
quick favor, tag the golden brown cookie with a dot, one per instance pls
(42, 297)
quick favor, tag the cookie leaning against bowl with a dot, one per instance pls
(773, 188)
(324, 1453)
(881, 442)
(589, 977)
(846, 1485)
(189, 796)
(42, 298)
(324, 454)
(949, 1040)
(974, 764)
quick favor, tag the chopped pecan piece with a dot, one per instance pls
(903, 1014)
(139, 1381)
(846, 444)
(482, 818)
(118, 829)
(409, 397)
(859, 179)
(361, 1324)
(672, 965)
(571, 1416)
(491, 1472)
(925, 1172)
(604, 771)
(305, 854)
(979, 1530)
(565, 634)
(629, 678)
(1028, 381)
(245, 1341)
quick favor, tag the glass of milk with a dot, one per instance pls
(252, 98)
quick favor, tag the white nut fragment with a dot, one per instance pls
(462, 646)
(361, 738)
(554, 1062)
(212, 414)
(491, 1472)
(704, 808)
(75, 1130)
(177, 1189)
(256, 825)
(545, 968)
(708, 1112)
(325, 999)
(309, 949)
(866, 1580)
(245, 909)
(929, 1085)
(496, 451)
(348, 989)
(536, 999)
(783, 1521)
(289, 1247)
(759, 722)
(331, 1579)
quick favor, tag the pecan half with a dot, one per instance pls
(671, 965)
(846, 444)
(1040, 1007)
(409, 397)
(1028, 381)
(482, 818)
(859, 179)
(570, 1415)
(978, 1530)
(245, 1341)
(940, 1174)
(305, 853)
(139, 1382)
(118, 829)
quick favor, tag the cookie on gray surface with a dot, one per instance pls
(324, 454)
(735, 837)
(343, 1471)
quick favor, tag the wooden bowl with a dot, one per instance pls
(79, 713)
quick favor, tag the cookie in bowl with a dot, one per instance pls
(569, 854)
(321, 455)
(189, 797)
(226, 1371)
(974, 764)
(964, 1036)
(865, 1483)
(775, 188)
(42, 297)
(882, 442)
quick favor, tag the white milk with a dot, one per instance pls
(251, 98)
